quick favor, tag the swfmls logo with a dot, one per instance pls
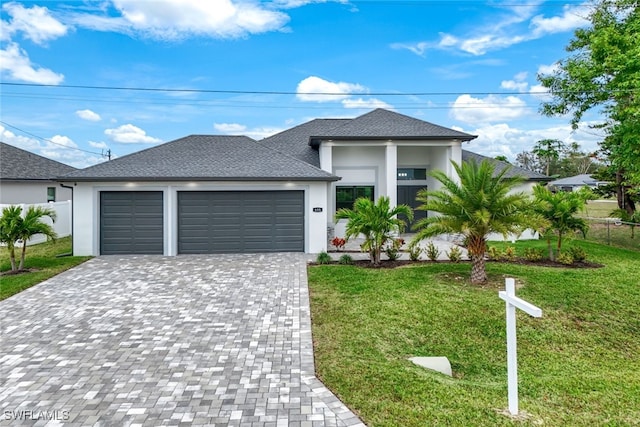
(29, 415)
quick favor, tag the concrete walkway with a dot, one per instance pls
(151, 340)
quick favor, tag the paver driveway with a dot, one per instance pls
(197, 340)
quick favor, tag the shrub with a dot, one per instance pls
(339, 243)
(565, 258)
(509, 253)
(345, 259)
(577, 253)
(432, 252)
(393, 250)
(414, 252)
(533, 254)
(494, 253)
(455, 254)
(324, 258)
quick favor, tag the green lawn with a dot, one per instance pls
(579, 364)
(41, 258)
(600, 208)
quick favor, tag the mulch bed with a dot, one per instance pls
(13, 273)
(542, 263)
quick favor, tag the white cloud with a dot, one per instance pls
(518, 83)
(365, 103)
(62, 153)
(15, 63)
(504, 31)
(35, 23)
(502, 139)
(540, 92)
(130, 134)
(229, 128)
(256, 133)
(312, 88)
(100, 145)
(548, 69)
(88, 115)
(176, 19)
(489, 109)
(573, 16)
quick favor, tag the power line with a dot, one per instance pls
(52, 142)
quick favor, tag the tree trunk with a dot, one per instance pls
(478, 272)
(12, 257)
(22, 254)
(559, 243)
(550, 248)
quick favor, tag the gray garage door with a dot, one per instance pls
(244, 221)
(131, 222)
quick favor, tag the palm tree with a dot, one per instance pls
(560, 209)
(480, 204)
(376, 221)
(14, 227)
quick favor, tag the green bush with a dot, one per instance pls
(414, 252)
(345, 259)
(509, 253)
(432, 252)
(577, 253)
(393, 250)
(494, 253)
(565, 258)
(533, 254)
(324, 258)
(455, 254)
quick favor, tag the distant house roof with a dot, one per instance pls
(575, 181)
(17, 164)
(500, 166)
(204, 158)
(385, 124)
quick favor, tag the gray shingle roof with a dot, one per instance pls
(204, 157)
(294, 141)
(385, 124)
(17, 164)
(500, 165)
(575, 181)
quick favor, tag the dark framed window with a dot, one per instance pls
(345, 196)
(410, 174)
(51, 194)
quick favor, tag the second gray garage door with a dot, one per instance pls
(242, 221)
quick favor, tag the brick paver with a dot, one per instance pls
(150, 340)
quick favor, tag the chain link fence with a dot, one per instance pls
(614, 232)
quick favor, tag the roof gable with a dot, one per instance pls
(385, 124)
(18, 164)
(204, 157)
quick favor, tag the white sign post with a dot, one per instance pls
(509, 295)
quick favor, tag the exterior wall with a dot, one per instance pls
(62, 224)
(86, 228)
(16, 192)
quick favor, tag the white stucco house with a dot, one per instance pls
(27, 178)
(216, 194)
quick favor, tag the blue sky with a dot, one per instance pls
(470, 65)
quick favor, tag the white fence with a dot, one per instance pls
(62, 225)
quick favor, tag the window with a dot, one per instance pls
(411, 174)
(51, 194)
(345, 196)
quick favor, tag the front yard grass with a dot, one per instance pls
(578, 364)
(42, 262)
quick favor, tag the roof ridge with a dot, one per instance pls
(265, 145)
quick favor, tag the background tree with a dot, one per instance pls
(560, 209)
(548, 150)
(480, 204)
(15, 227)
(502, 158)
(603, 71)
(376, 221)
(529, 161)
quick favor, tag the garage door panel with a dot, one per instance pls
(131, 222)
(244, 221)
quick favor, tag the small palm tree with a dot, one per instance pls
(376, 221)
(477, 206)
(560, 209)
(15, 227)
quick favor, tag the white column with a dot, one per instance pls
(326, 161)
(170, 207)
(455, 152)
(391, 171)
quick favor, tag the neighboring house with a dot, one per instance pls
(574, 183)
(28, 178)
(216, 194)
